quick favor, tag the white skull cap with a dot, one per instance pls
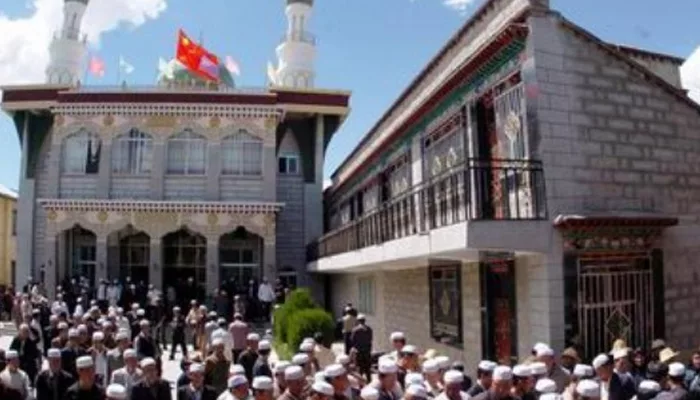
(546, 385)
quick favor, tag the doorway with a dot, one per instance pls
(184, 264)
(499, 318)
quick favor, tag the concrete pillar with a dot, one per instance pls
(269, 259)
(213, 171)
(155, 265)
(54, 170)
(62, 256)
(212, 265)
(313, 191)
(50, 265)
(158, 169)
(100, 258)
(104, 183)
(25, 215)
(417, 177)
(269, 173)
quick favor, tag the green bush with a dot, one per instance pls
(305, 323)
(299, 299)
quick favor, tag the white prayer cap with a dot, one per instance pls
(147, 362)
(237, 369)
(443, 362)
(546, 385)
(135, 306)
(293, 373)
(409, 349)
(196, 368)
(583, 371)
(413, 378)
(84, 362)
(306, 347)
(369, 393)
(649, 386)
(300, 359)
(11, 354)
(676, 370)
(116, 391)
(453, 377)
(620, 353)
(279, 367)
(217, 342)
(342, 359)
(236, 381)
(502, 373)
(144, 322)
(129, 353)
(54, 353)
(98, 336)
(431, 366)
(522, 371)
(545, 352)
(551, 396)
(73, 333)
(387, 367)
(417, 391)
(122, 335)
(588, 388)
(538, 368)
(487, 366)
(539, 345)
(600, 360)
(320, 376)
(397, 336)
(253, 337)
(323, 388)
(62, 325)
(361, 317)
(334, 370)
(309, 340)
(264, 345)
(140, 312)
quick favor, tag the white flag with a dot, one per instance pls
(125, 67)
(271, 73)
(165, 68)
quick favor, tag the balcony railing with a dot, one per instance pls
(299, 36)
(475, 190)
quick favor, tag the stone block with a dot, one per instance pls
(627, 177)
(641, 113)
(600, 108)
(645, 165)
(620, 98)
(614, 71)
(665, 155)
(581, 119)
(621, 124)
(638, 88)
(603, 83)
(623, 150)
(601, 135)
(553, 116)
(585, 174)
(604, 162)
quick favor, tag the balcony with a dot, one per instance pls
(299, 36)
(478, 190)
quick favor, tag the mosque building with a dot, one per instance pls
(187, 178)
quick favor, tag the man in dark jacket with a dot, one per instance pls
(53, 383)
(262, 364)
(250, 355)
(29, 354)
(676, 389)
(85, 387)
(618, 388)
(71, 352)
(196, 390)
(178, 326)
(151, 387)
(361, 341)
(499, 390)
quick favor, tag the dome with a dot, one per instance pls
(309, 3)
(78, 1)
(176, 73)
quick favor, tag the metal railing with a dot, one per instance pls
(474, 190)
(299, 36)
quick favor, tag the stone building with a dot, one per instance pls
(533, 183)
(184, 179)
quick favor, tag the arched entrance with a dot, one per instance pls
(184, 264)
(81, 253)
(134, 255)
(240, 258)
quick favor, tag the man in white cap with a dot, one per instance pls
(431, 373)
(321, 390)
(453, 386)
(216, 367)
(323, 354)
(303, 360)
(85, 387)
(222, 333)
(262, 364)
(398, 341)
(237, 389)
(361, 339)
(13, 377)
(408, 362)
(588, 389)
(29, 354)
(144, 344)
(500, 387)
(416, 392)
(116, 392)
(555, 372)
(337, 376)
(151, 386)
(612, 386)
(262, 388)
(239, 331)
(369, 393)
(129, 374)
(544, 386)
(115, 356)
(484, 378)
(296, 383)
(250, 355)
(522, 383)
(388, 379)
(580, 372)
(676, 389)
(99, 355)
(52, 383)
(280, 386)
(196, 390)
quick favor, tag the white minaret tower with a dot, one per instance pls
(68, 46)
(297, 52)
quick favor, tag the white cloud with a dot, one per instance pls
(690, 75)
(458, 5)
(327, 183)
(24, 42)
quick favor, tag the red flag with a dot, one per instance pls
(196, 58)
(97, 66)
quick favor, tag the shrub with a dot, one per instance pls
(305, 323)
(299, 299)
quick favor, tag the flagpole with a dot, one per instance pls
(87, 69)
(119, 71)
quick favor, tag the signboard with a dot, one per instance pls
(445, 284)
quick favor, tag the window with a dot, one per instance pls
(288, 164)
(14, 222)
(443, 147)
(242, 155)
(81, 153)
(132, 153)
(365, 301)
(187, 154)
(446, 304)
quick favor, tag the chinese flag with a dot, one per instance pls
(196, 58)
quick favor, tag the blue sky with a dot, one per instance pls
(371, 47)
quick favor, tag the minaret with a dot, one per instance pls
(68, 46)
(297, 52)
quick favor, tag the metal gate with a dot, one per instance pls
(616, 301)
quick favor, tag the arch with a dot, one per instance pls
(187, 153)
(185, 258)
(80, 152)
(129, 254)
(289, 157)
(240, 257)
(79, 257)
(132, 152)
(242, 154)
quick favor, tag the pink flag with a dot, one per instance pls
(97, 66)
(232, 66)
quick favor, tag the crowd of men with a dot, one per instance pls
(103, 352)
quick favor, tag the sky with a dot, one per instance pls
(370, 47)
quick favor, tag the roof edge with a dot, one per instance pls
(648, 53)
